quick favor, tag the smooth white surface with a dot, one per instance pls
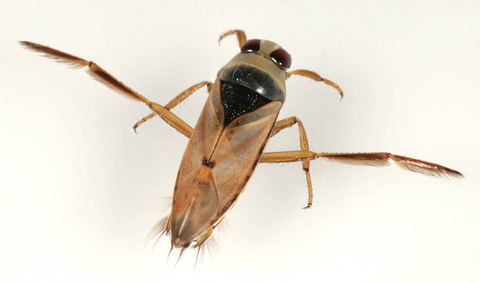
(79, 190)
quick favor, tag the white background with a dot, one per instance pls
(80, 191)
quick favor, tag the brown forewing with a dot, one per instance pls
(238, 152)
(231, 153)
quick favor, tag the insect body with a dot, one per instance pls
(228, 142)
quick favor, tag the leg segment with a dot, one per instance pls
(174, 102)
(316, 77)
(369, 159)
(102, 76)
(286, 123)
(240, 36)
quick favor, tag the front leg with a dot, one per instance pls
(316, 77)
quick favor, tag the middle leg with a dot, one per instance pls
(287, 123)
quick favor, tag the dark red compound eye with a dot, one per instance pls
(281, 58)
(251, 46)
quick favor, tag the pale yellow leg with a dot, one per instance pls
(174, 102)
(368, 159)
(286, 123)
(102, 76)
(242, 38)
(316, 77)
(371, 159)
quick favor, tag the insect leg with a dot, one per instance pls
(369, 159)
(314, 76)
(286, 123)
(174, 102)
(102, 76)
(240, 36)
(94, 70)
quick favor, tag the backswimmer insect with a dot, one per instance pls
(228, 141)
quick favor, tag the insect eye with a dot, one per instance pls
(251, 46)
(281, 58)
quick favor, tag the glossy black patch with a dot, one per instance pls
(238, 100)
(253, 78)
